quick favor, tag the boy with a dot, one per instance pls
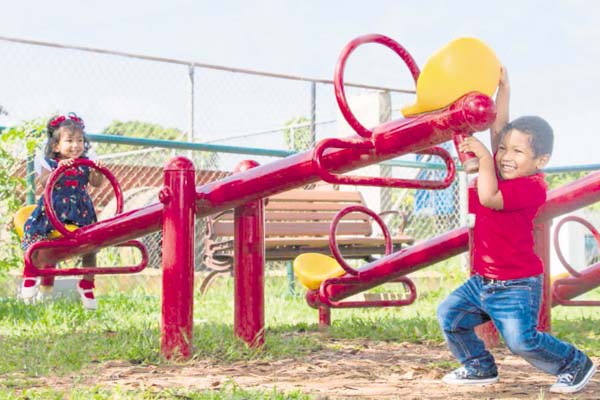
(506, 286)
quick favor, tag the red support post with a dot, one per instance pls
(178, 197)
(249, 269)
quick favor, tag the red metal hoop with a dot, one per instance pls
(338, 80)
(53, 178)
(333, 243)
(572, 218)
(363, 144)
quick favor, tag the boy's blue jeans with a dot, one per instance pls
(513, 306)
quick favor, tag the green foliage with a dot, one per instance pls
(140, 129)
(16, 143)
(560, 179)
(143, 130)
(297, 134)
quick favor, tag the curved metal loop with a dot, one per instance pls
(355, 280)
(53, 178)
(338, 79)
(572, 218)
(350, 143)
(333, 246)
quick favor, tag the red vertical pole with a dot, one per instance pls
(178, 196)
(541, 235)
(248, 269)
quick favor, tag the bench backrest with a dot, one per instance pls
(306, 213)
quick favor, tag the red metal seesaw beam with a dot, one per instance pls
(471, 113)
(570, 197)
(397, 264)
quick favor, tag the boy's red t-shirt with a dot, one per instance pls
(503, 245)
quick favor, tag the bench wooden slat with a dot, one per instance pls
(341, 241)
(318, 196)
(317, 206)
(298, 221)
(288, 215)
(299, 229)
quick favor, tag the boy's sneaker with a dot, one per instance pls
(575, 380)
(465, 376)
(85, 289)
(29, 289)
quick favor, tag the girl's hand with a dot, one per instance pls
(472, 144)
(68, 162)
(99, 163)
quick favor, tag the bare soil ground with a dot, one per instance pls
(344, 369)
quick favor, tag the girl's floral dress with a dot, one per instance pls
(71, 201)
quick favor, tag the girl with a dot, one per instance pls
(72, 203)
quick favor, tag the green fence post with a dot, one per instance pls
(30, 176)
(290, 276)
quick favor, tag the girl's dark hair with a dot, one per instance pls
(540, 132)
(71, 122)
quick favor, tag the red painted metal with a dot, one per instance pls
(50, 270)
(471, 113)
(324, 317)
(355, 143)
(393, 266)
(578, 282)
(568, 288)
(178, 197)
(335, 250)
(56, 174)
(248, 268)
(325, 299)
(338, 81)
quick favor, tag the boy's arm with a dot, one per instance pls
(487, 183)
(502, 115)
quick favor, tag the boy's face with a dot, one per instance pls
(515, 156)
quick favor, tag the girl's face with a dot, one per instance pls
(515, 156)
(70, 143)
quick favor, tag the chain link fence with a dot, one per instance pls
(243, 114)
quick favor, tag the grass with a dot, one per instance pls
(60, 338)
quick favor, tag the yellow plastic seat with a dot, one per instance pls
(21, 217)
(464, 65)
(313, 268)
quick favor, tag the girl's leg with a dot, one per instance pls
(86, 285)
(514, 306)
(458, 316)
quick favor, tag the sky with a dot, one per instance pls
(550, 48)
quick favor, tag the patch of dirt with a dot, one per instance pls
(344, 369)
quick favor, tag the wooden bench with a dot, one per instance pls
(298, 221)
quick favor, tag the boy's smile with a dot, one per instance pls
(515, 156)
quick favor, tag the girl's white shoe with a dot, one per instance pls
(29, 289)
(87, 295)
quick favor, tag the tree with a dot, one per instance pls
(297, 134)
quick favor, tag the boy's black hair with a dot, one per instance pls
(72, 123)
(540, 132)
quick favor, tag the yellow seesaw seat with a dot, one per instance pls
(464, 65)
(313, 268)
(21, 217)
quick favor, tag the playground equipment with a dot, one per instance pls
(69, 233)
(464, 65)
(180, 201)
(582, 281)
